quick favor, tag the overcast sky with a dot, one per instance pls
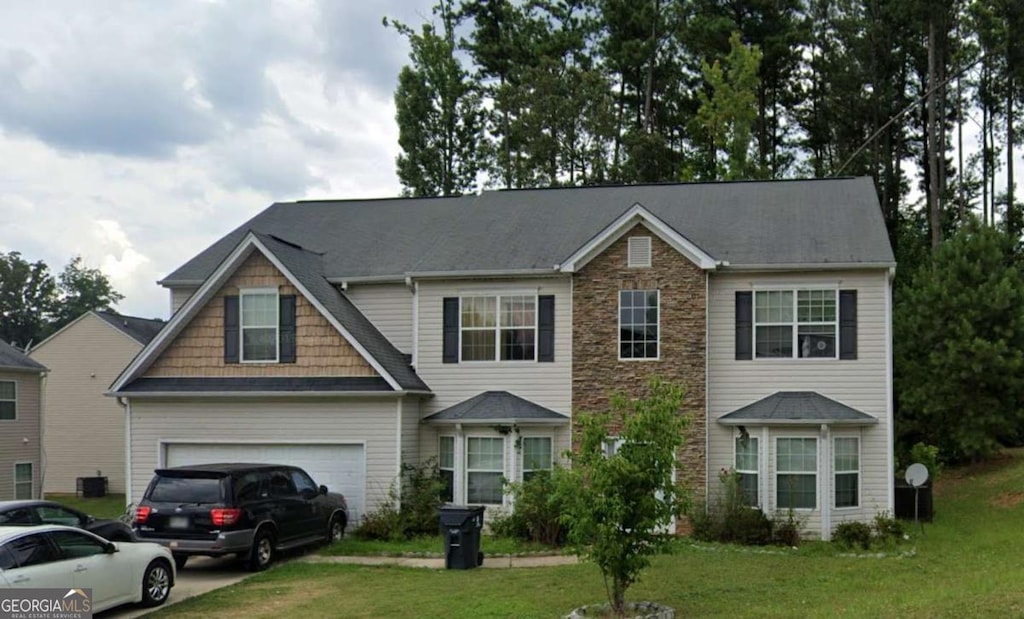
(137, 133)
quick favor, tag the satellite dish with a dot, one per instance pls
(917, 475)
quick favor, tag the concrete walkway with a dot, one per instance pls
(437, 563)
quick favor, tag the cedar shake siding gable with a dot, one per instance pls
(320, 350)
(597, 370)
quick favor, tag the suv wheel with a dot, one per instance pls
(335, 530)
(262, 552)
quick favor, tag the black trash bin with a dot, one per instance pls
(461, 526)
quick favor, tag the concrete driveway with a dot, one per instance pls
(202, 574)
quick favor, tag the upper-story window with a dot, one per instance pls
(8, 400)
(259, 324)
(499, 328)
(795, 323)
(638, 324)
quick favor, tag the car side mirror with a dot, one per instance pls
(110, 548)
(323, 489)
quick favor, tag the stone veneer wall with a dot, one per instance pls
(596, 369)
(319, 349)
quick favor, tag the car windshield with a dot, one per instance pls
(185, 490)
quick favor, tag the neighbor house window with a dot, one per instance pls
(485, 467)
(259, 323)
(498, 328)
(446, 465)
(796, 473)
(23, 481)
(638, 324)
(8, 400)
(746, 468)
(536, 455)
(795, 323)
(847, 471)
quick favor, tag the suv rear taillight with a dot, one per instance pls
(222, 516)
(142, 514)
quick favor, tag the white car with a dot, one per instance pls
(59, 557)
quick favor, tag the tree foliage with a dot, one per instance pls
(33, 304)
(959, 347)
(619, 505)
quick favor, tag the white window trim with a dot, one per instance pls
(31, 480)
(497, 328)
(618, 336)
(836, 471)
(242, 292)
(794, 325)
(455, 462)
(756, 472)
(15, 400)
(466, 470)
(816, 473)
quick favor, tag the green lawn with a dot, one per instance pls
(110, 506)
(967, 563)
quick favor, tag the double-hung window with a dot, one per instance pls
(536, 455)
(847, 471)
(638, 324)
(8, 400)
(746, 468)
(23, 481)
(795, 323)
(499, 328)
(259, 324)
(796, 473)
(485, 469)
(446, 465)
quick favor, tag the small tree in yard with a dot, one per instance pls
(619, 505)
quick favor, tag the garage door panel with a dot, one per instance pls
(342, 468)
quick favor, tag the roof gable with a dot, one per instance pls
(302, 270)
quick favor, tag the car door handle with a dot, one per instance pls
(81, 568)
(21, 579)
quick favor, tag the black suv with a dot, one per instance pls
(252, 510)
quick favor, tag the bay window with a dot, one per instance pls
(796, 473)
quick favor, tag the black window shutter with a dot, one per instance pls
(286, 328)
(847, 324)
(450, 353)
(546, 328)
(744, 325)
(231, 329)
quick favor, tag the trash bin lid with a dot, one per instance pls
(457, 515)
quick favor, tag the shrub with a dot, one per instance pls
(888, 528)
(421, 497)
(384, 523)
(786, 528)
(729, 518)
(537, 512)
(853, 534)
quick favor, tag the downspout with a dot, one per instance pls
(826, 465)
(399, 414)
(890, 473)
(707, 392)
(42, 433)
(126, 405)
(415, 323)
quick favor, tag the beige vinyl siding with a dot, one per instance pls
(366, 421)
(389, 308)
(861, 383)
(410, 440)
(547, 384)
(19, 438)
(179, 296)
(84, 359)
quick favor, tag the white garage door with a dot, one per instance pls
(342, 468)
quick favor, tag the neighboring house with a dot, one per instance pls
(83, 431)
(351, 337)
(21, 392)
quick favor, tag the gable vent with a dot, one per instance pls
(639, 251)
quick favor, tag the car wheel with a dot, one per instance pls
(262, 552)
(156, 583)
(180, 561)
(336, 530)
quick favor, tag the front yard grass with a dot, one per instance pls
(430, 546)
(966, 563)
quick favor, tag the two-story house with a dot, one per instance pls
(351, 337)
(21, 396)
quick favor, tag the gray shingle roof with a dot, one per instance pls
(307, 267)
(765, 223)
(13, 359)
(256, 384)
(497, 406)
(797, 407)
(142, 330)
